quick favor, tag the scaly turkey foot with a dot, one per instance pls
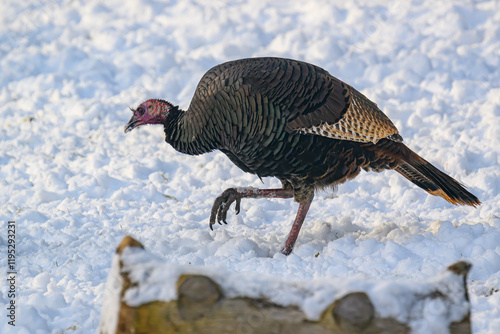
(222, 204)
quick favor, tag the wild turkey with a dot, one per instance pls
(294, 121)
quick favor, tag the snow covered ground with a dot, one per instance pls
(76, 184)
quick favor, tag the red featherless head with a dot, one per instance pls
(149, 112)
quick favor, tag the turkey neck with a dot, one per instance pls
(188, 133)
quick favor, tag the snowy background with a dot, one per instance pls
(76, 184)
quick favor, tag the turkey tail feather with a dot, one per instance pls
(432, 180)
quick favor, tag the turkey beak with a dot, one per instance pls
(131, 124)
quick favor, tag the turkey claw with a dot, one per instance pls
(222, 204)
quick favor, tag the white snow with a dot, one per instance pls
(76, 184)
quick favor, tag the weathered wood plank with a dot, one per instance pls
(202, 307)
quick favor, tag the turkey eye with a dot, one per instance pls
(140, 110)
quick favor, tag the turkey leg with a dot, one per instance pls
(230, 195)
(297, 224)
